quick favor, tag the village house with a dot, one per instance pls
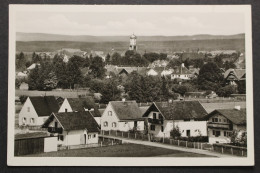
(79, 105)
(163, 117)
(37, 109)
(233, 76)
(73, 128)
(122, 116)
(181, 72)
(155, 71)
(222, 122)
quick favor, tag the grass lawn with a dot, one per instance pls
(125, 150)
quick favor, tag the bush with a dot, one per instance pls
(23, 98)
(175, 133)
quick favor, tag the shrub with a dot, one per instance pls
(23, 98)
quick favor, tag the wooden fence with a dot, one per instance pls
(224, 149)
(28, 146)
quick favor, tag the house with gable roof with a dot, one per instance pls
(233, 76)
(122, 116)
(37, 109)
(73, 128)
(79, 105)
(222, 122)
(162, 117)
(181, 72)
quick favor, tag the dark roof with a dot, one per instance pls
(181, 70)
(239, 73)
(234, 115)
(75, 121)
(178, 110)
(31, 135)
(126, 110)
(78, 104)
(45, 105)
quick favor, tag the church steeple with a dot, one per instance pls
(132, 45)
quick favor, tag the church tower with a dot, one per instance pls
(133, 42)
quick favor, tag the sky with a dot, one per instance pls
(126, 23)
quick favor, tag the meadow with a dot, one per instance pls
(143, 46)
(125, 150)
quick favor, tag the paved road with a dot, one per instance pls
(172, 147)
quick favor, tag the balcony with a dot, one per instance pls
(55, 130)
(212, 125)
(155, 121)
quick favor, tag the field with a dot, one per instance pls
(148, 46)
(63, 93)
(125, 150)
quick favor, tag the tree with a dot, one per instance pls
(116, 59)
(110, 92)
(108, 59)
(20, 61)
(173, 63)
(218, 60)
(23, 98)
(210, 77)
(175, 132)
(78, 60)
(73, 75)
(228, 65)
(97, 67)
(226, 91)
(241, 87)
(198, 63)
(51, 82)
(96, 85)
(33, 78)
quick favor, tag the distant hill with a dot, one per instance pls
(97, 39)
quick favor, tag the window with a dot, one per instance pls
(32, 120)
(217, 133)
(109, 113)
(89, 136)
(154, 115)
(162, 128)
(225, 120)
(152, 127)
(187, 132)
(56, 124)
(114, 124)
(225, 133)
(105, 124)
(214, 119)
(160, 116)
(213, 132)
(66, 110)
(94, 135)
(24, 120)
(28, 109)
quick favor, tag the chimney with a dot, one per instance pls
(237, 108)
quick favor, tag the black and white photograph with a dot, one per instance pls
(130, 85)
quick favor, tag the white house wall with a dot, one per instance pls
(38, 121)
(50, 144)
(196, 127)
(77, 137)
(98, 120)
(65, 105)
(109, 119)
